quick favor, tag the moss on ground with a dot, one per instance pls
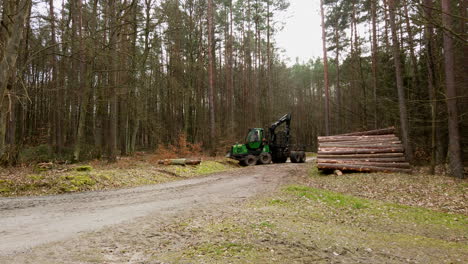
(84, 168)
(85, 177)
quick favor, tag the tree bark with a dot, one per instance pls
(112, 127)
(85, 84)
(399, 82)
(8, 62)
(374, 57)
(428, 34)
(211, 73)
(456, 165)
(325, 72)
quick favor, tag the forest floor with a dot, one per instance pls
(278, 213)
(138, 170)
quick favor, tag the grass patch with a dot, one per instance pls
(74, 183)
(84, 168)
(222, 249)
(277, 202)
(266, 224)
(315, 172)
(208, 167)
(399, 212)
(328, 197)
(313, 225)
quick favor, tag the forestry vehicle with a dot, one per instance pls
(263, 148)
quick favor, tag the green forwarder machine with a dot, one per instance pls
(263, 149)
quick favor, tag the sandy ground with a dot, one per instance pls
(28, 222)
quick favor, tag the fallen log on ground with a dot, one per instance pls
(346, 167)
(367, 151)
(181, 162)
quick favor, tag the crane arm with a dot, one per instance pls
(286, 118)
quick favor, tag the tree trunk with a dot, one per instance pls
(374, 57)
(428, 33)
(112, 126)
(414, 63)
(211, 73)
(8, 62)
(325, 72)
(399, 82)
(456, 165)
(85, 84)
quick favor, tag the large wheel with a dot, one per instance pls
(264, 158)
(303, 157)
(248, 161)
(294, 157)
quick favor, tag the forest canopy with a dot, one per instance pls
(88, 79)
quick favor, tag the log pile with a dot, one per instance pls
(369, 151)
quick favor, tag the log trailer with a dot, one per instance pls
(263, 149)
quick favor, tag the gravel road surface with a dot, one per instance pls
(27, 222)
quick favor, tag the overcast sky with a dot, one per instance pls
(301, 37)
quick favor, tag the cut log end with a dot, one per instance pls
(338, 173)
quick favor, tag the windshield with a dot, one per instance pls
(253, 136)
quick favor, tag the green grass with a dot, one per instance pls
(228, 249)
(208, 167)
(378, 208)
(84, 168)
(328, 197)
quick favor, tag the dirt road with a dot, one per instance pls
(31, 221)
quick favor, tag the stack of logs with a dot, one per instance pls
(370, 151)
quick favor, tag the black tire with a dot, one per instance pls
(295, 157)
(250, 160)
(303, 158)
(242, 162)
(264, 158)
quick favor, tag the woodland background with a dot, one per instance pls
(102, 78)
